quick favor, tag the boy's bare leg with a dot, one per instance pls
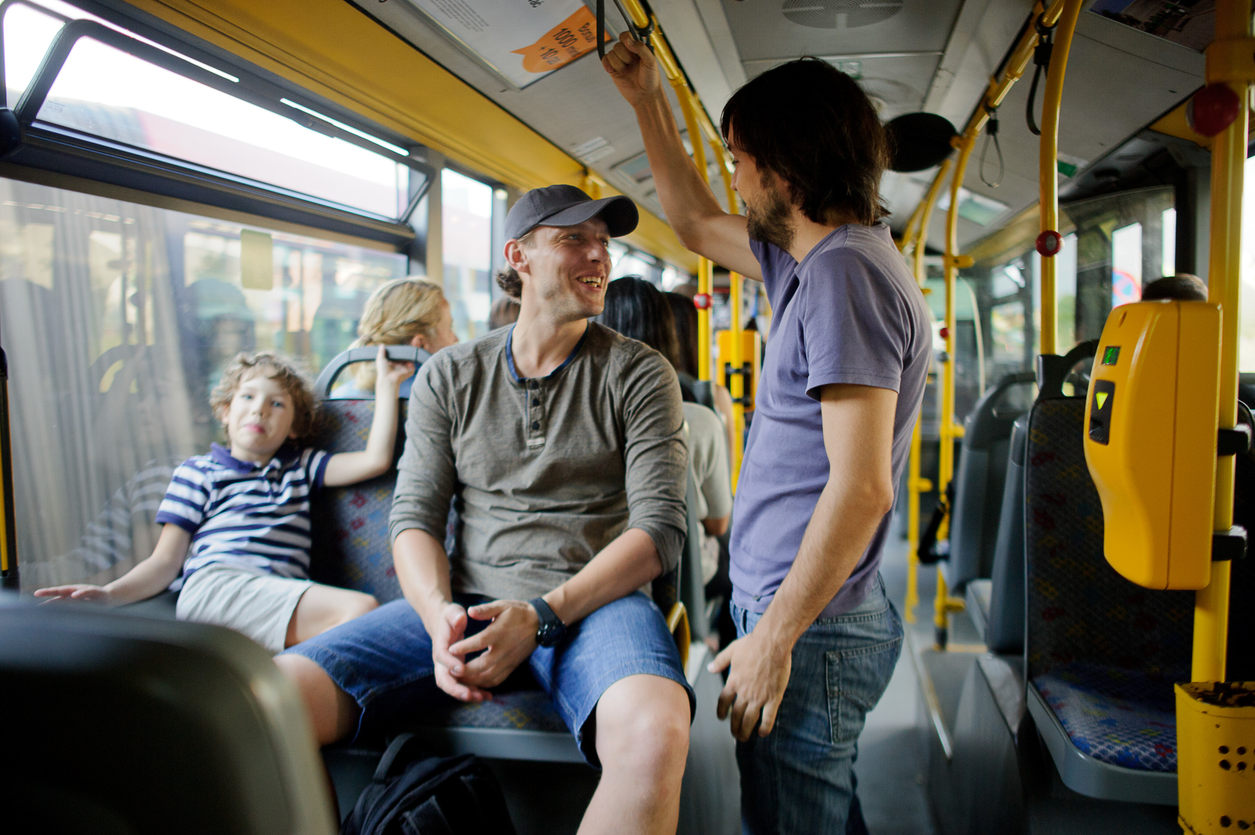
(323, 607)
(642, 741)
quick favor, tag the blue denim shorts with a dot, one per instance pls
(383, 661)
(800, 777)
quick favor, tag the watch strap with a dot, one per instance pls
(551, 627)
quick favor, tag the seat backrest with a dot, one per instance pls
(692, 589)
(1079, 610)
(981, 474)
(350, 546)
(1004, 632)
(121, 723)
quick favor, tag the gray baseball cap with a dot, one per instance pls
(564, 205)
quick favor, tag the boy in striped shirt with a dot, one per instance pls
(235, 534)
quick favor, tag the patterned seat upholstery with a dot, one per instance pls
(351, 546)
(1102, 652)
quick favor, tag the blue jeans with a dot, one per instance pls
(800, 778)
(383, 661)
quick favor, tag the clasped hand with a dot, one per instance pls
(498, 649)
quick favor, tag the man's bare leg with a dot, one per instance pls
(332, 712)
(642, 741)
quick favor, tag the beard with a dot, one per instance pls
(770, 223)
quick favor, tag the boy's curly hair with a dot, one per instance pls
(286, 371)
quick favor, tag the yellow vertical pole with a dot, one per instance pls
(8, 530)
(705, 278)
(1228, 161)
(949, 431)
(737, 383)
(1048, 175)
(705, 269)
(737, 357)
(915, 484)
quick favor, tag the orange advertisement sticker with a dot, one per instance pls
(562, 44)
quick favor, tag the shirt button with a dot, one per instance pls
(535, 424)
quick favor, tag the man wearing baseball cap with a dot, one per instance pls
(562, 441)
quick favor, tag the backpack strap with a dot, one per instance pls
(391, 756)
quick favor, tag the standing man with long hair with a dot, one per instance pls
(840, 390)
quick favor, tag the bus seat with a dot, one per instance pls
(692, 591)
(981, 474)
(1004, 613)
(121, 723)
(352, 548)
(1101, 653)
(999, 601)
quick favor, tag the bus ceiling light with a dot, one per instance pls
(1212, 109)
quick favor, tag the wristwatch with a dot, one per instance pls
(551, 630)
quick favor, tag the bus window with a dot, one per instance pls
(116, 319)
(1111, 245)
(1246, 328)
(466, 219)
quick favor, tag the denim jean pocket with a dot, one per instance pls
(856, 680)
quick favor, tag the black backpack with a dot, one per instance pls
(428, 796)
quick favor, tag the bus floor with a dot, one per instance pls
(978, 761)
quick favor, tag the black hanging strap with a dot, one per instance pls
(1041, 58)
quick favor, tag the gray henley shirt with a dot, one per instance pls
(550, 470)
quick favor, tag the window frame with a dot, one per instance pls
(30, 143)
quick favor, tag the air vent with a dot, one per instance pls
(840, 14)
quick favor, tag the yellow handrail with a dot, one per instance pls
(8, 532)
(736, 358)
(915, 485)
(1048, 171)
(699, 127)
(1228, 61)
(949, 431)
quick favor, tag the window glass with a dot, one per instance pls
(969, 340)
(108, 93)
(1126, 264)
(1112, 245)
(632, 262)
(117, 320)
(1246, 300)
(1065, 294)
(467, 223)
(1168, 261)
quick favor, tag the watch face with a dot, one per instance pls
(548, 634)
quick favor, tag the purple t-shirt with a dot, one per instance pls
(849, 313)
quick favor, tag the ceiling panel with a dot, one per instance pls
(775, 30)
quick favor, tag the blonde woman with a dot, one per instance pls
(405, 311)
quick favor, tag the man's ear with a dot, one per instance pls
(418, 341)
(515, 254)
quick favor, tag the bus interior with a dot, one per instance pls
(180, 181)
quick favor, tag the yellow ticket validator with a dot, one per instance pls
(1150, 443)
